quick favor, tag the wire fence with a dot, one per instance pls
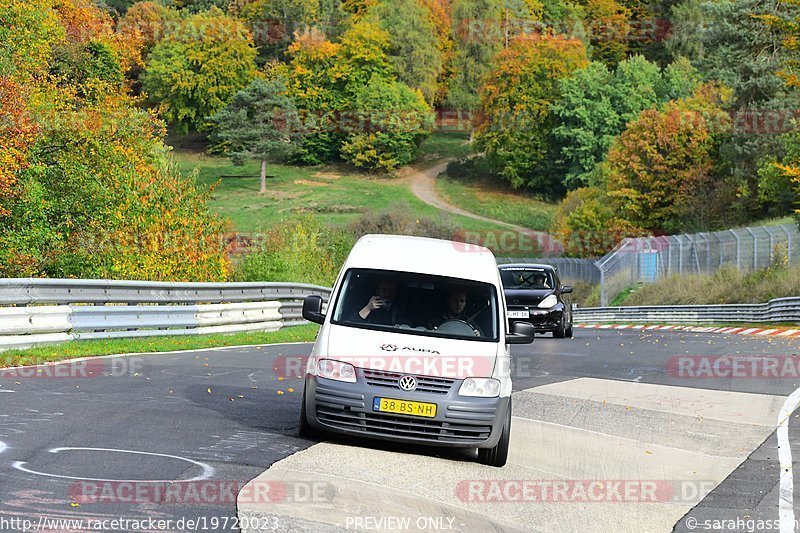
(647, 259)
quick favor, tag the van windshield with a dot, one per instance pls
(418, 303)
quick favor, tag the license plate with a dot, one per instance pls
(518, 314)
(403, 407)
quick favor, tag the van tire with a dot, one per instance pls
(568, 334)
(305, 430)
(498, 456)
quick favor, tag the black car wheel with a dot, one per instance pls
(561, 331)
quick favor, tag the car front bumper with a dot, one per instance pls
(459, 422)
(541, 319)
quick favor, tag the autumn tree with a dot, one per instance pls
(87, 188)
(337, 87)
(195, 70)
(17, 133)
(275, 22)
(587, 224)
(260, 123)
(392, 120)
(440, 16)
(413, 46)
(609, 30)
(26, 53)
(596, 105)
(149, 22)
(477, 40)
(515, 122)
(662, 168)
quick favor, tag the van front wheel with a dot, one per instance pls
(305, 430)
(498, 455)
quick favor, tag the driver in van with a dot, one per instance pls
(456, 304)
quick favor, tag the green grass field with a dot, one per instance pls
(497, 201)
(336, 194)
(443, 145)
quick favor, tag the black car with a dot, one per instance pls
(534, 294)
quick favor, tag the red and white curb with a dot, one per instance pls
(699, 329)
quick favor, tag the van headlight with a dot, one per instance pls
(548, 302)
(480, 387)
(336, 370)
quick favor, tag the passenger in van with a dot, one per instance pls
(379, 310)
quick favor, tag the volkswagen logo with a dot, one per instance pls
(408, 383)
(388, 347)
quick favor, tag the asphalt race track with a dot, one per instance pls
(605, 405)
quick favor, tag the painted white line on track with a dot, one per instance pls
(208, 471)
(786, 501)
(3, 446)
(6, 390)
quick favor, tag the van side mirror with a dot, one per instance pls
(521, 333)
(312, 309)
(566, 289)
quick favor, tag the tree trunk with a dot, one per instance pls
(263, 176)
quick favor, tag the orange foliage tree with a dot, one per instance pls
(515, 122)
(17, 134)
(87, 187)
(662, 168)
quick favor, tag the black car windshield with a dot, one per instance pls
(527, 278)
(418, 304)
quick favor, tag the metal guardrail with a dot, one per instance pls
(781, 310)
(46, 311)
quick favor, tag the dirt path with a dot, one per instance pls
(423, 185)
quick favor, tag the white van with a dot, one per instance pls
(414, 348)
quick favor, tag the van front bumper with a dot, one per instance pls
(460, 421)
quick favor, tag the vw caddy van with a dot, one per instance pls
(414, 348)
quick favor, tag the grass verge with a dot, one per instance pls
(725, 286)
(92, 348)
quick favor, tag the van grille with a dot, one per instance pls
(380, 378)
(399, 426)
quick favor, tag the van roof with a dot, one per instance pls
(425, 256)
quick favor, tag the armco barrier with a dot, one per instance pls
(781, 310)
(45, 311)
